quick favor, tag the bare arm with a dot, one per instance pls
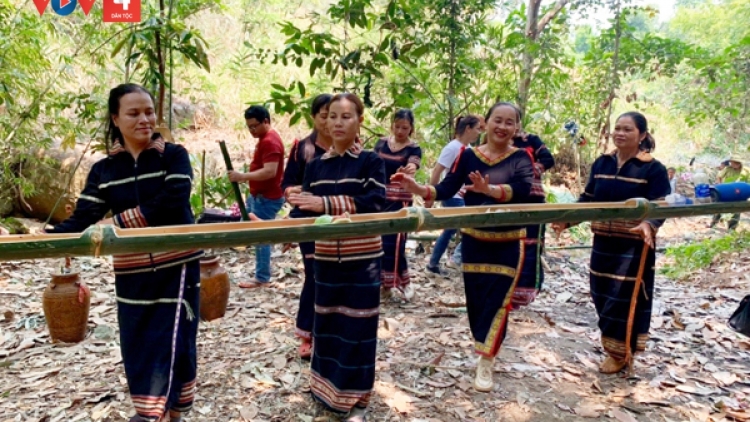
(436, 172)
(267, 172)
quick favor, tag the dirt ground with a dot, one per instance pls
(695, 368)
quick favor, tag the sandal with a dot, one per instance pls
(612, 365)
(305, 350)
(253, 284)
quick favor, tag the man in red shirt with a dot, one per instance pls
(266, 171)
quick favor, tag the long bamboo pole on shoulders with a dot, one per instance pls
(108, 240)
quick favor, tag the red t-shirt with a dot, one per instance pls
(269, 150)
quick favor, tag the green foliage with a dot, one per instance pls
(441, 58)
(687, 259)
(44, 62)
(351, 57)
(218, 190)
(14, 226)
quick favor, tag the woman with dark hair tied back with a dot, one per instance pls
(468, 129)
(401, 155)
(146, 182)
(628, 172)
(493, 173)
(343, 181)
(302, 152)
(532, 276)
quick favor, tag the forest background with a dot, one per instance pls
(562, 61)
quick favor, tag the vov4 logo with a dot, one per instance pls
(122, 11)
(113, 10)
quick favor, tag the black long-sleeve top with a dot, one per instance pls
(152, 191)
(300, 155)
(640, 177)
(542, 159)
(410, 154)
(512, 173)
(354, 183)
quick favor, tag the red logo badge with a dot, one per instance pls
(122, 10)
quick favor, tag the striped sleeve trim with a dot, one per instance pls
(339, 204)
(178, 176)
(91, 199)
(506, 193)
(130, 219)
(431, 193)
(415, 159)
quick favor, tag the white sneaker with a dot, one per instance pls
(408, 291)
(483, 380)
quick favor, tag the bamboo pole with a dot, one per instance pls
(235, 186)
(107, 240)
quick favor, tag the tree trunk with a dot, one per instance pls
(606, 132)
(162, 67)
(527, 61)
(534, 27)
(452, 75)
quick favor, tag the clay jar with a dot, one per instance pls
(214, 288)
(66, 315)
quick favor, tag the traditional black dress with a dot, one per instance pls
(532, 276)
(395, 272)
(617, 252)
(493, 257)
(157, 293)
(347, 280)
(303, 152)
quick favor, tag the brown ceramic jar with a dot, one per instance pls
(214, 288)
(67, 316)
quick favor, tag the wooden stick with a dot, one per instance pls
(633, 302)
(203, 177)
(235, 186)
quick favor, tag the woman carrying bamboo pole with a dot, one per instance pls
(146, 182)
(623, 257)
(401, 155)
(532, 276)
(493, 257)
(345, 180)
(302, 152)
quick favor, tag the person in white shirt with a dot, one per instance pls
(468, 129)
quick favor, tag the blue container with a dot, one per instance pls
(731, 192)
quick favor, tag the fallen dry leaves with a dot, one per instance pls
(695, 370)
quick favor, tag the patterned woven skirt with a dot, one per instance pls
(158, 317)
(306, 312)
(492, 264)
(532, 274)
(614, 268)
(395, 272)
(347, 306)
